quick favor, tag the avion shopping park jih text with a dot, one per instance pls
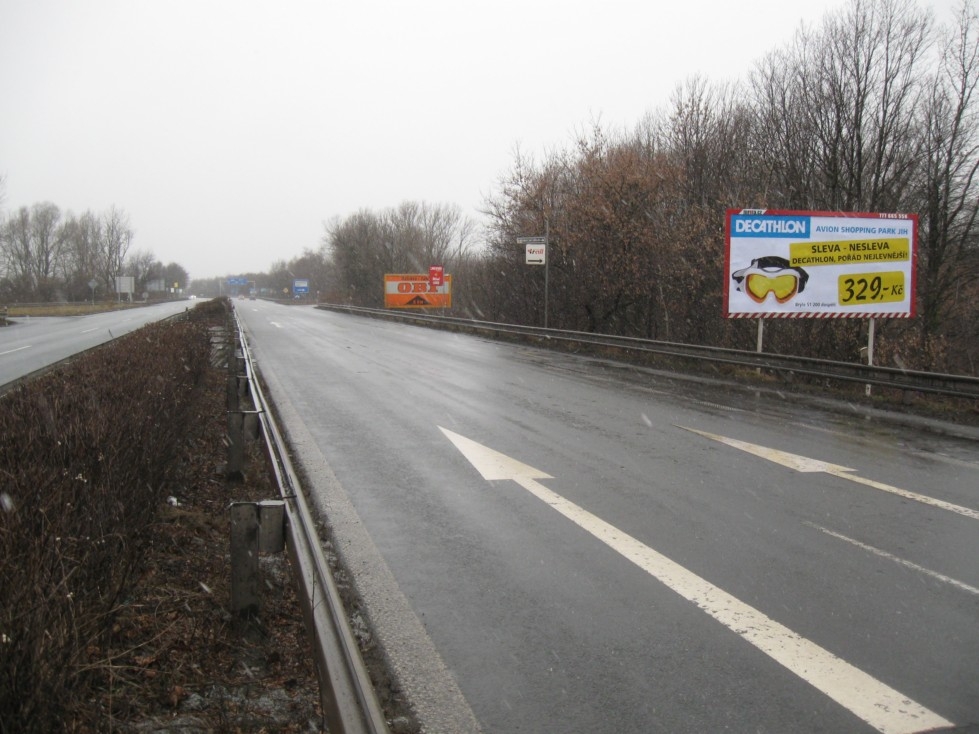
(798, 264)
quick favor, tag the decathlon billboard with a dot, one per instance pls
(797, 264)
(417, 291)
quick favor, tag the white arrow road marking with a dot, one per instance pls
(276, 324)
(884, 708)
(11, 351)
(804, 464)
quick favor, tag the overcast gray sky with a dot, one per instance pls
(230, 130)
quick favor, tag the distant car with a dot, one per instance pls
(251, 297)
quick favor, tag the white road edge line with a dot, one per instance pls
(884, 708)
(18, 349)
(897, 559)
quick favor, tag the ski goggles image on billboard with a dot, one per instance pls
(770, 275)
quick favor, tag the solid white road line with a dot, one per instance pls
(884, 708)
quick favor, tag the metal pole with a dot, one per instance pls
(761, 332)
(870, 349)
(547, 265)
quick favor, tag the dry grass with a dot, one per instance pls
(66, 309)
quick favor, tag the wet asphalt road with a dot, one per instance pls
(642, 571)
(30, 344)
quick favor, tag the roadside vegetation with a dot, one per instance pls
(874, 110)
(114, 568)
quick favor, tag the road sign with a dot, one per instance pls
(535, 240)
(536, 254)
(436, 275)
(300, 286)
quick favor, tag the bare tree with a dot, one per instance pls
(361, 256)
(948, 185)
(175, 276)
(31, 248)
(143, 267)
(79, 265)
(860, 83)
(116, 237)
(407, 239)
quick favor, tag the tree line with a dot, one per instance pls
(50, 255)
(873, 110)
(356, 251)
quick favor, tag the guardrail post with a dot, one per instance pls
(236, 445)
(245, 530)
(256, 527)
(233, 381)
(272, 525)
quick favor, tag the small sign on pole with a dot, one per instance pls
(436, 275)
(536, 249)
(536, 255)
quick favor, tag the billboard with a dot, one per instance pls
(417, 291)
(125, 284)
(801, 264)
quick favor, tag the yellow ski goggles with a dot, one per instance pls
(773, 275)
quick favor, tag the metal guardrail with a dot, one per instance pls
(350, 704)
(959, 386)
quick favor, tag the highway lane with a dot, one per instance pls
(30, 344)
(758, 596)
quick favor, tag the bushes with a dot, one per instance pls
(85, 454)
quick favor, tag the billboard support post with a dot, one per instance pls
(761, 332)
(870, 350)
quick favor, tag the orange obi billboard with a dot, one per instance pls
(417, 291)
